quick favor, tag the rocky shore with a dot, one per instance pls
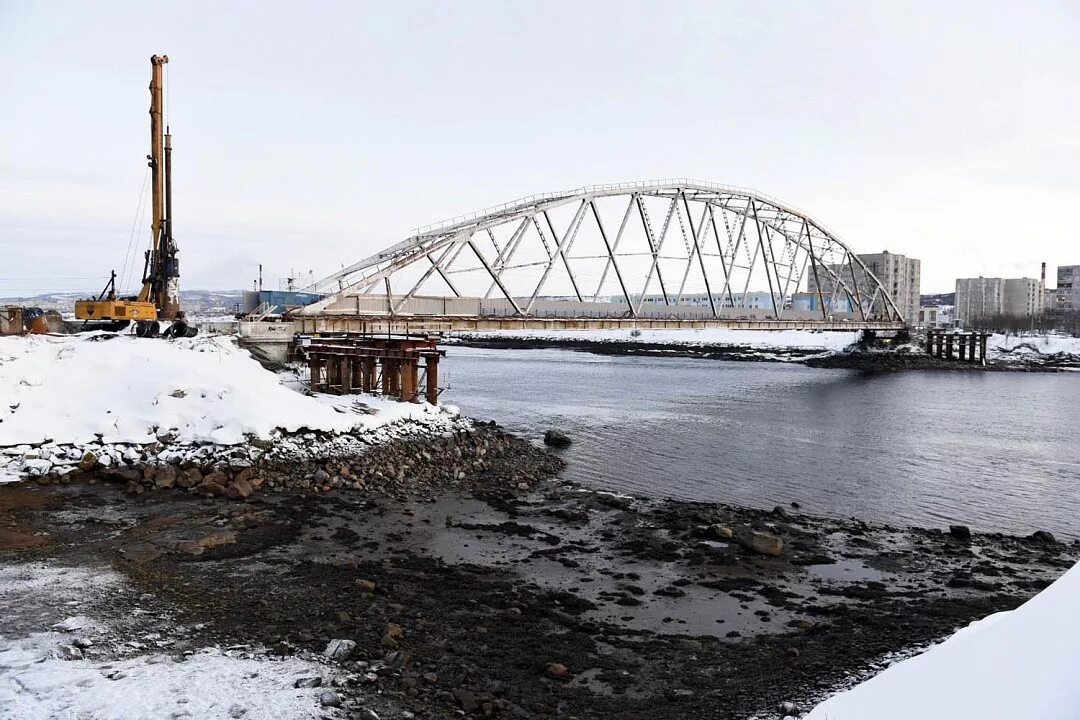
(451, 575)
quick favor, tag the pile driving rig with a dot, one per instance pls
(159, 298)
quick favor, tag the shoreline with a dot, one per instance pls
(811, 357)
(507, 592)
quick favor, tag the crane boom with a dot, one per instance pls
(159, 297)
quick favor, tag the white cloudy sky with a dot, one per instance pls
(309, 135)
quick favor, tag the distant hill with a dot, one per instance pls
(194, 302)
(938, 299)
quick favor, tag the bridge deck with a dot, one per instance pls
(419, 323)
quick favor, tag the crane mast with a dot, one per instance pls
(161, 277)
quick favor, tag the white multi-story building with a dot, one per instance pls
(901, 277)
(1067, 295)
(985, 297)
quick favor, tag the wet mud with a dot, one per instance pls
(556, 602)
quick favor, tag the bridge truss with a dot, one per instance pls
(671, 249)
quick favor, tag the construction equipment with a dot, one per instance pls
(159, 298)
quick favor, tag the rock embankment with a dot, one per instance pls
(473, 457)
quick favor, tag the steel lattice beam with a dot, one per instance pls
(518, 263)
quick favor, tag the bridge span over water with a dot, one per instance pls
(662, 254)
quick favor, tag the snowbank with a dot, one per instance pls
(758, 339)
(1008, 666)
(71, 389)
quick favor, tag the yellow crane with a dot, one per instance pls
(159, 298)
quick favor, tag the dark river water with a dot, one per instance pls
(996, 451)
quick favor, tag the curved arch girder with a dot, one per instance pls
(672, 248)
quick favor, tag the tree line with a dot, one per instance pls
(1059, 320)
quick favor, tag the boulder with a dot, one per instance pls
(214, 483)
(69, 652)
(960, 532)
(339, 649)
(189, 478)
(367, 586)
(719, 531)
(557, 438)
(165, 477)
(88, 462)
(1043, 536)
(239, 489)
(759, 542)
(557, 670)
(392, 636)
(466, 700)
(211, 540)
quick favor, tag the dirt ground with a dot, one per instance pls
(557, 602)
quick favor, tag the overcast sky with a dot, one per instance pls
(308, 135)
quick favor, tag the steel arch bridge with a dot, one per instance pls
(667, 253)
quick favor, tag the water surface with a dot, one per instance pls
(997, 451)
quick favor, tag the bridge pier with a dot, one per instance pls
(969, 346)
(349, 364)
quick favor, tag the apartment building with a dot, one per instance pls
(900, 275)
(985, 297)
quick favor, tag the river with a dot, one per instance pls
(996, 451)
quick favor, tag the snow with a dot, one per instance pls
(758, 339)
(1008, 666)
(1003, 345)
(117, 679)
(211, 683)
(70, 389)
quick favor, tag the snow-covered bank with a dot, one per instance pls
(1009, 666)
(758, 339)
(53, 665)
(1001, 346)
(127, 400)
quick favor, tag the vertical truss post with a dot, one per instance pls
(697, 248)
(720, 249)
(508, 252)
(817, 279)
(494, 277)
(568, 237)
(611, 262)
(562, 254)
(764, 259)
(850, 257)
(654, 247)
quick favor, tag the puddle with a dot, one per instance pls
(847, 570)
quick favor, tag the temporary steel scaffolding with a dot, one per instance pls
(678, 249)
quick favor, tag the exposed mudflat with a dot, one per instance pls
(554, 602)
